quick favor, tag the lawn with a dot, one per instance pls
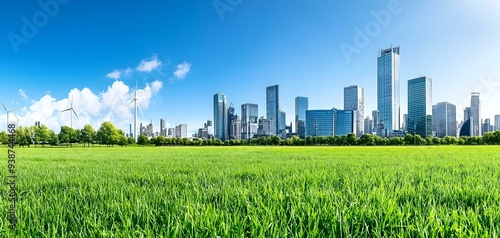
(255, 192)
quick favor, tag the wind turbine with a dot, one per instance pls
(72, 111)
(136, 105)
(9, 111)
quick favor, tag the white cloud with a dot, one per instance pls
(92, 108)
(114, 75)
(149, 65)
(182, 70)
(127, 71)
(23, 94)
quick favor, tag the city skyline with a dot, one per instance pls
(99, 64)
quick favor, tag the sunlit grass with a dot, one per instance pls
(256, 192)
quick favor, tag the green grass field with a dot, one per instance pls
(255, 192)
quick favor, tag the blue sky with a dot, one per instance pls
(181, 53)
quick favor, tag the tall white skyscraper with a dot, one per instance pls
(354, 99)
(475, 113)
(388, 91)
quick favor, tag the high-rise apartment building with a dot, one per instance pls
(272, 107)
(301, 106)
(354, 99)
(388, 91)
(444, 119)
(220, 116)
(420, 106)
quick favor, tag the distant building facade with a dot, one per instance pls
(331, 122)
(354, 99)
(320, 122)
(249, 120)
(444, 119)
(301, 106)
(264, 128)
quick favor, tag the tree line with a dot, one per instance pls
(109, 135)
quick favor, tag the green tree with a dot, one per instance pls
(66, 134)
(4, 138)
(53, 138)
(42, 133)
(87, 135)
(409, 139)
(108, 134)
(367, 139)
(351, 139)
(143, 140)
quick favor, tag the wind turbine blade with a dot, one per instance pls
(140, 109)
(73, 110)
(16, 117)
(66, 110)
(72, 101)
(130, 102)
(4, 107)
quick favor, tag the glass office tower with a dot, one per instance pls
(220, 116)
(272, 107)
(420, 106)
(388, 105)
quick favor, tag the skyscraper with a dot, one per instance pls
(272, 107)
(249, 120)
(420, 106)
(486, 126)
(354, 99)
(220, 116)
(231, 118)
(375, 121)
(388, 104)
(163, 126)
(497, 122)
(368, 125)
(475, 113)
(301, 106)
(444, 119)
(282, 123)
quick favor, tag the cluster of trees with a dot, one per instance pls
(492, 138)
(109, 135)
(34, 135)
